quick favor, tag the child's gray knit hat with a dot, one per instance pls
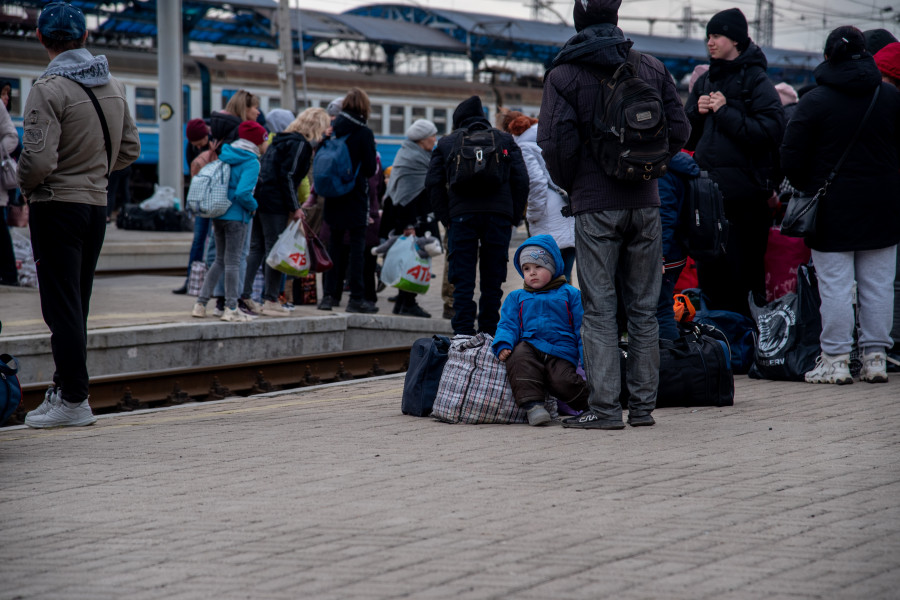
(538, 256)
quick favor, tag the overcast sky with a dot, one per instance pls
(799, 24)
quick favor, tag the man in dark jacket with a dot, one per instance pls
(617, 223)
(480, 219)
(738, 123)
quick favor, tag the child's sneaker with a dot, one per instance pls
(275, 309)
(251, 306)
(234, 315)
(51, 399)
(831, 369)
(538, 415)
(63, 414)
(199, 310)
(874, 368)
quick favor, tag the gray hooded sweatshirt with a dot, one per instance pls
(64, 155)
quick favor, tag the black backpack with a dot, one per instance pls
(629, 132)
(703, 221)
(478, 161)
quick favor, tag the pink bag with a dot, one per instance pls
(784, 255)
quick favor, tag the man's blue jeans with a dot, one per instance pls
(478, 243)
(628, 242)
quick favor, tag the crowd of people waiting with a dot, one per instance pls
(753, 138)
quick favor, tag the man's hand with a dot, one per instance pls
(703, 104)
(504, 354)
(716, 101)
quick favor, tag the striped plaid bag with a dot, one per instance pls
(474, 386)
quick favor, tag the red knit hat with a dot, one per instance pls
(196, 130)
(888, 60)
(253, 132)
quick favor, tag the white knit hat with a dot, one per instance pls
(420, 130)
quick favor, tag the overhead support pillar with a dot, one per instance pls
(390, 56)
(286, 58)
(170, 109)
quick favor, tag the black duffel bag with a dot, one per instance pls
(135, 218)
(427, 358)
(694, 370)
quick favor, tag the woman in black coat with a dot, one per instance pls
(284, 165)
(737, 123)
(349, 214)
(858, 220)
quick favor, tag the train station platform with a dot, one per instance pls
(332, 493)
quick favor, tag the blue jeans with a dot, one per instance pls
(219, 290)
(478, 240)
(627, 242)
(665, 309)
(229, 249)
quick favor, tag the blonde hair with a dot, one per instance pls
(311, 124)
(240, 103)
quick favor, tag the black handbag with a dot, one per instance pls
(800, 217)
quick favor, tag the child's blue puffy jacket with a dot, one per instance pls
(244, 173)
(548, 320)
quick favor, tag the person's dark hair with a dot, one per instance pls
(59, 46)
(845, 43)
(357, 102)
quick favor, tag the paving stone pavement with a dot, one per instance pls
(331, 493)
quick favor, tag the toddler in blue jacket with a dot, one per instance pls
(539, 334)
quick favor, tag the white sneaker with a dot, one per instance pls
(51, 399)
(275, 309)
(218, 312)
(253, 306)
(199, 310)
(874, 368)
(234, 315)
(63, 414)
(831, 369)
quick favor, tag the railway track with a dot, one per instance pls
(133, 391)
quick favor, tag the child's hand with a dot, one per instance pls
(504, 354)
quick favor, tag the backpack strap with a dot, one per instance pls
(106, 139)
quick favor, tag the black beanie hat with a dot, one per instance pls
(876, 39)
(732, 24)
(594, 12)
(845, 43)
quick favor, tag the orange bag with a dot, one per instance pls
(684, 309)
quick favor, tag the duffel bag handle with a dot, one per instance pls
(9, 365)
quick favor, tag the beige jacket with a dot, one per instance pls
(64, 156)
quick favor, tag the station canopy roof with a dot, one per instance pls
(394, 27)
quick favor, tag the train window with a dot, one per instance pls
(274, 103)
(15, 98)
(440, 120)
(375, 119)
(418, 112)
(145, 105)
(397, 125)
(226, 96)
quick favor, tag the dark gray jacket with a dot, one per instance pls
(571, 91)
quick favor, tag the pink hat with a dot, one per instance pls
(253, 132)
(888, 60)
(695, 75)
(787, 94)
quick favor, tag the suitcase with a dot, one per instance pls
(427, 358)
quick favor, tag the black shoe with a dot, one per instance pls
(220, 303)
(379, 287)
(589, 420)
(393, 298)
(414, 310)
(181, 291)
(397, 308)
(448, 314)
(641, 420)
(361, 306)
(326, 304)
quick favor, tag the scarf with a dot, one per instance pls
(558, 282)
(408, 173)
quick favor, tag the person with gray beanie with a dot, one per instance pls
(738, 122)
(617, 223)
(406, 200)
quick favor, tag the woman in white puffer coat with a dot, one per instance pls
(545, 198)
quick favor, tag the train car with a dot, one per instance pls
(397, 100)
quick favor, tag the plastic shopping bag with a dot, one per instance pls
(288, 255)
(404, 269)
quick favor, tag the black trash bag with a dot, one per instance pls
(787, 342)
